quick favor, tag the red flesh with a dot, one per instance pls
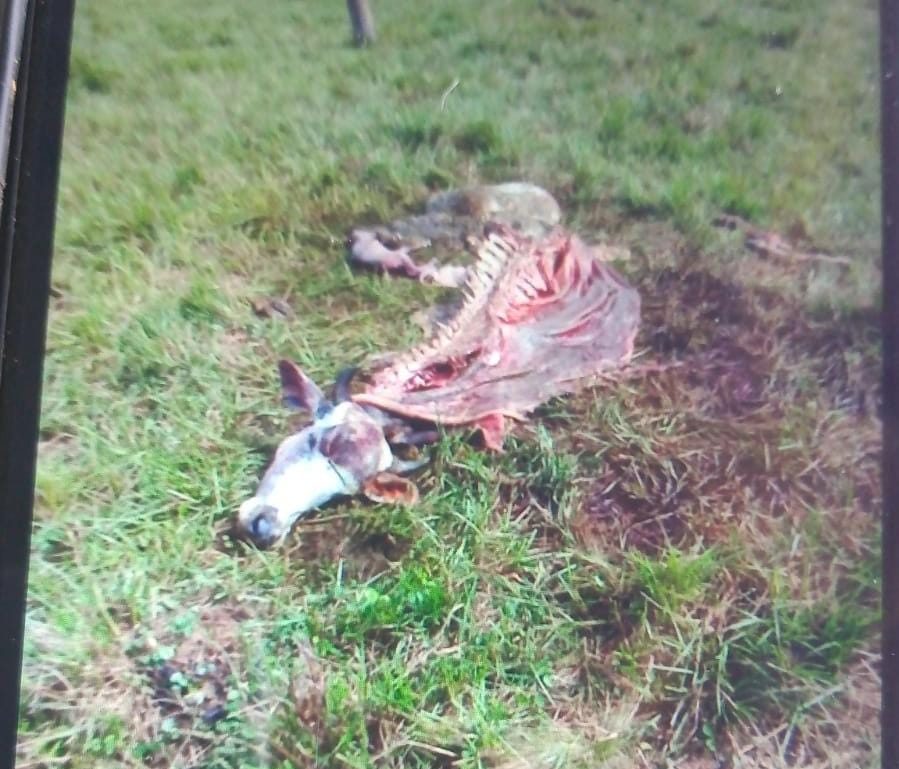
(553, 316)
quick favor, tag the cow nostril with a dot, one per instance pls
(261, 527)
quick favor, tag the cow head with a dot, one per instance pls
(336, 455)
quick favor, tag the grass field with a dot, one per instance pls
(677, 570)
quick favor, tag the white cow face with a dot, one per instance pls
(334, 456)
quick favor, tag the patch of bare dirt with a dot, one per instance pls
(841, 732)
(334, 539)
(193, 665)
(192, 672)
(719, 336)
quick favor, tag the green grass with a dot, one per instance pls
(670, 570)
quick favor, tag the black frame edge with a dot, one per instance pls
(26, 244)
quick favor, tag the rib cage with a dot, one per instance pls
(538, 318)
(493, 256)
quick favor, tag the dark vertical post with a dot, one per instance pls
(363, 22)
(26, 242)
(889, 63)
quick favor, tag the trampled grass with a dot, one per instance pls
(679, 569)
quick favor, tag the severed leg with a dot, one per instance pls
(367, 249)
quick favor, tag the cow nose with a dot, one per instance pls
(262, 528)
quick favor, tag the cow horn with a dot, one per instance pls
(342, 384)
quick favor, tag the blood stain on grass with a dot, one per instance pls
(728, 380)
(843, 355)
(724, 455)
(684, 310)
(650, 504)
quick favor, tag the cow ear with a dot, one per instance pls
(298, 390)
(390, 488)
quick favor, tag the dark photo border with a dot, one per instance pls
(36, 39)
